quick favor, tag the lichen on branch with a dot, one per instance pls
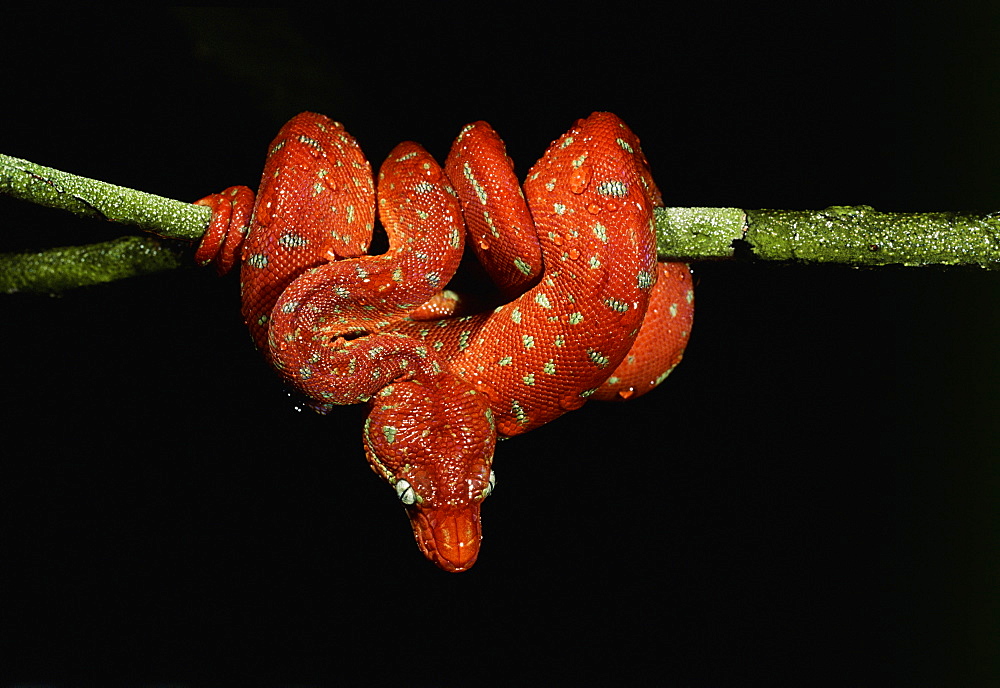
(93, 198)
(847, 235)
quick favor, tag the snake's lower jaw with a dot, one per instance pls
(448, 536)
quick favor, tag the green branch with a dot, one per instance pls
(857, 235)
(58, 269)
(845, 235)
(92, 198)
(66, 267)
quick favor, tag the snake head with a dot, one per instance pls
(433, 442)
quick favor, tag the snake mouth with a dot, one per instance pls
(448, 536)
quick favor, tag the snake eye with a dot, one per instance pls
(405, 492)
(488, 490)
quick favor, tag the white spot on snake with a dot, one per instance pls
(480, 191)
(624, 145)
(515, 315)
(318, 188)
(549, 368)
(424, 187)
(595, 263)
(489, 223)
(645, 279)
(689, 296)
(257, 260)
(519, 413)
(613, 188)
(616, 305)
(523, 266)
(559, 340)
(292, 240)
(529, 379)
(578, 162)
(289, 307)
(575, 318)
(528, 341)
(505, 361)
(662, 376)
(673, 310)
(599, 359)
(350, 213)
(601, 232)
(407, 156)
(311, 142)
(542, 300)
(559, 209)
(567, 142)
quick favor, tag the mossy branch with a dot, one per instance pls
(66, 267)
(92, 198)
(848, 235)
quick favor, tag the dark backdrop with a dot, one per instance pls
(810, 498)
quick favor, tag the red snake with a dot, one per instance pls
(573, 256)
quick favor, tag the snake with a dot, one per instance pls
(581, 308)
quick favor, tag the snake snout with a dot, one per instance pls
(448, 536)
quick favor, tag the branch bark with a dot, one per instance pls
(93, 198)
(846, 235)
(67, 267)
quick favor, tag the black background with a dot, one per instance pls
(810, 498)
